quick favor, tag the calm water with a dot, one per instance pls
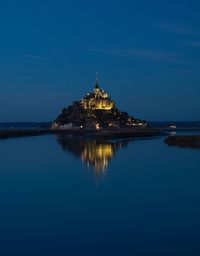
(72, 197)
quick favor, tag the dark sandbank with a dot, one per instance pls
(185, 141)
(88, 133)
(13, 133)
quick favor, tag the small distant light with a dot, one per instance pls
(97, 126)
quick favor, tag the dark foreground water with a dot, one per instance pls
(75, 197)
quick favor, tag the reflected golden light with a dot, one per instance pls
(98, 155)
(94, 153)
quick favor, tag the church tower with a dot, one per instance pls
(98, 100)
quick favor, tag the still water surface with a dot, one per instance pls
(75, 197)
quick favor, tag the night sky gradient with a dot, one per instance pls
(147, 54)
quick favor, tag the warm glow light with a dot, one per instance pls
(98, 102)
(97, 126)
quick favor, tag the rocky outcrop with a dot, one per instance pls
(95, 110)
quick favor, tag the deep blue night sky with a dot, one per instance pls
(146, 52)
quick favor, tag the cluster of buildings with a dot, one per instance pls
(95, 111)
(98, 100)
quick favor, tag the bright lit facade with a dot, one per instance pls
(99, 99)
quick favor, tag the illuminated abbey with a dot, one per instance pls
(99, 99)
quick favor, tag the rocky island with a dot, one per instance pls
(95, 111)
(94, 116)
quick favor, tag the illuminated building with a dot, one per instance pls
(98, 100)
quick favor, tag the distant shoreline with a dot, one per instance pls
(87, 133)
(109, 133)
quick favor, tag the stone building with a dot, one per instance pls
(99, 99)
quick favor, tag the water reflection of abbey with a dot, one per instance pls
(95, 154)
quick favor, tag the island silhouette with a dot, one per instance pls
(96, 110)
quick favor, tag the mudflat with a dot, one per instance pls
(186, 141)
(107, 133)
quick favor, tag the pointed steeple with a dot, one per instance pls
(97, 81)
(96, 86)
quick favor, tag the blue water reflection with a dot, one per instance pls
(51, 203)
(95, 154)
